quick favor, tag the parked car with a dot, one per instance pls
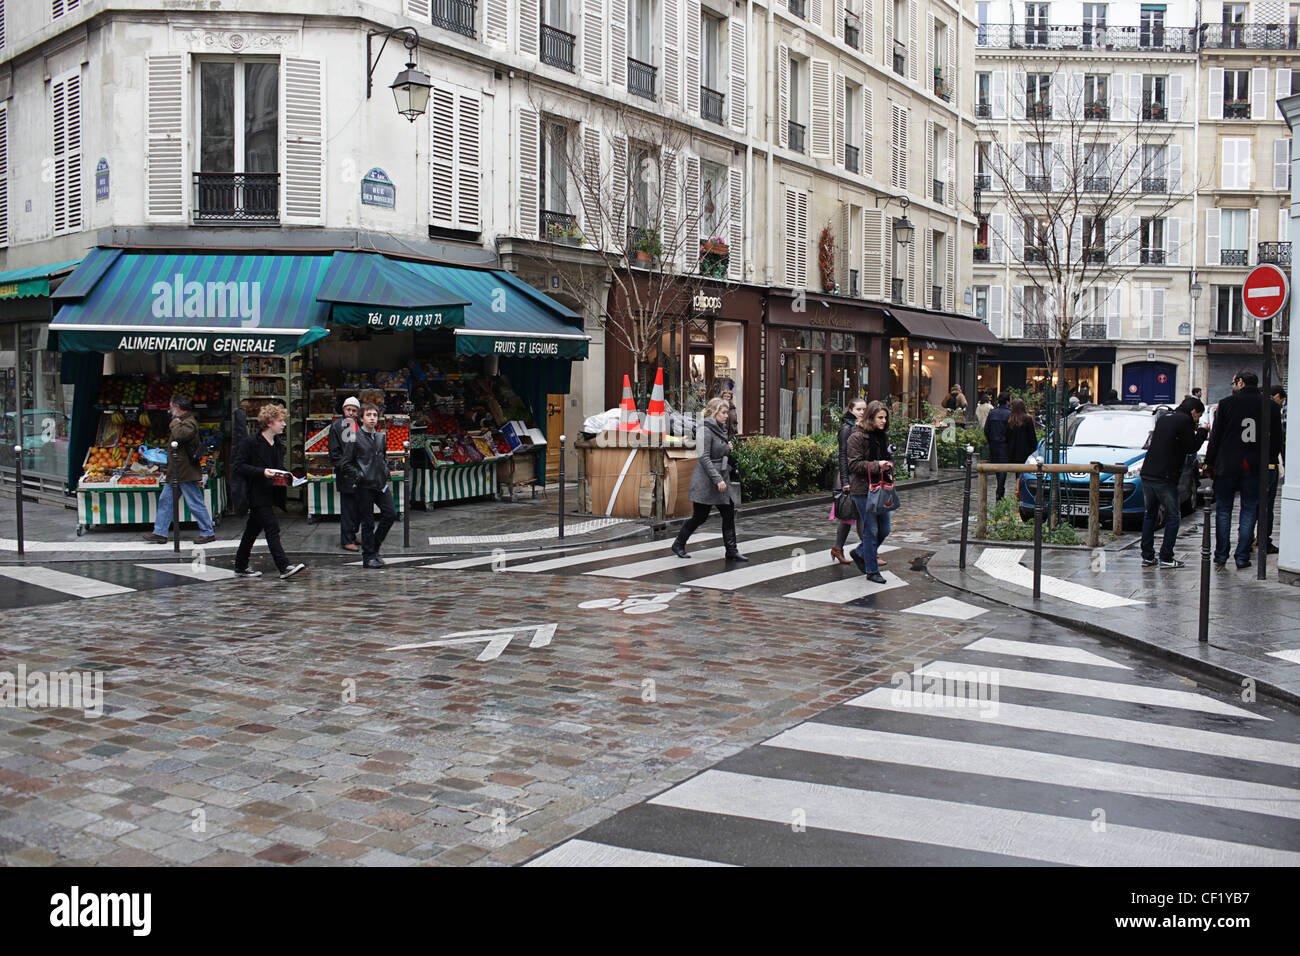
(1112, 435)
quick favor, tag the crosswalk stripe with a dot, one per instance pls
(461, 563)
(204, 572)
(586, 853)
(65, 583)
(1078, 724)
(1038, 767)
(946, 607)
(640, 569)
(1039, 836)
(1004, 565)
(747, 575)
(1292, 656)
(848, 589)
(1046, 652)
(1087, 687)
(590, 557)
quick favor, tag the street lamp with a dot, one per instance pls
(411, 88)
(903, 228)
(1195, 291)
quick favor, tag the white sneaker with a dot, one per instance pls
(291, 571)
(247, 573)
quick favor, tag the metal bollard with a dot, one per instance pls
(1203, 633)
(176, 498)
(18, 478)
(1038, 532)
(406, 496)
(562, 437)
(965, 508)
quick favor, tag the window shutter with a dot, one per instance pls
(1057, 175)
(164, 157)
(843, 249)
(1252, 237)
(796, 239)
(1175, 170)
(1113, 327)
(530, 28)
(783, 95)
(868, 133)
(1076, 239)
(417, 10)
(1173, 241)
(527, 164)
(1019, 92)
(929, 47)
(692, 24)
(1132, 240)
(1228, 164)
(1017, 312)
(1245, 172)
(1116, 92)
(815, 12)
(617, 40)
(1259, 93)
(1212, 217)
(891, 34)
(1017, 240)
(736, 224)
(950, 64)
(1216, 92)
(1144, 313)
(1176, 98)
(619, 188)
(997, 237)
(837, 148)
(1157, 313)
(1059, 99)
(593, 33)
(837, 18)
(929, 159)
(1114, 240)
(874, 278)
(951, 171)
(304, 141)
(442, 157)
(900, 148)
(4, 175)
(1135, 97)
(66, 96)
(1076, 96)
(995, 310)
(469, 163)
(675, 238)
(999, 95)
(1281, 164)
(671, 32)
(1281, 88)
(589, 186)
(927, 266)
(820, 81)
(496, 21)
(694, 223)
(950, 273)
(1018, 166)
(913, 44)
(868, 33)
(1284, 224)
(911, 274)
(739, 75)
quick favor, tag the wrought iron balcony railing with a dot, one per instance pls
(852, 33)
(983, 181)
(1236, 109)
(454, 15)
(896, 290)
(1234, 257)
(1035, 254)
(796, 133)
(1038, 183)
(557, 47)
(984, 110)
(241, 198)
(850, 158)
(1155, 111)
(981, 253)
(1038, 110)
(1034, 330)
(1092, 330)
(641, 78)
(1096, 111)
(942, 88)
(1250, 36)
(1096, 184)
(559, 227)
(936, 298)
(1153, 257)
(1153, 184)
(798, 8)
(1277, 253)
(938, 190)
(1018, 36)
(1094, 255)
(711, 105)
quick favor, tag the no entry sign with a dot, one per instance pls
(1264, 291)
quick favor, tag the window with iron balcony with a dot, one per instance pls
(557, 47)
(850, 158)
(455, 15)
(798, 8)
(1153, 257)
(238, 184)
(797, 131)
(1276, 253)
(1234, 257)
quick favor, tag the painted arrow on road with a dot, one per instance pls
(497, 640)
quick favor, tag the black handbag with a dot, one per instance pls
(844, 508)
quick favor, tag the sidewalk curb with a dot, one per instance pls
(1193, 665)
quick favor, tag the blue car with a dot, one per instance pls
(1112, 435)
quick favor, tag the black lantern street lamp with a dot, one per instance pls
(411, 88)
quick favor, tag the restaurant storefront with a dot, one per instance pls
(1026, 369)
(928, 353)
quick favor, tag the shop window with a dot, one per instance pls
(45, 404)
(239, 136)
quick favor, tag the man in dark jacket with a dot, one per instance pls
(1233, 460)
(1278, 394)
(189, 476)
(364, 466)
(1174, 437)
(342, 431)
(995, 430)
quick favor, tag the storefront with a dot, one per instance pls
(1026, 369)
(820, 354)
(33, 400)
(928, 353)
(708, 345)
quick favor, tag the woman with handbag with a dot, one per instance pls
(852, 415)
(709, 485)
(870, 464)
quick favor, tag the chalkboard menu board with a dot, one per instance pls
(920, 440)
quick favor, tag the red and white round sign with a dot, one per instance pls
(1265, 291)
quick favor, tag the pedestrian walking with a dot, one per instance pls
(1174, 437)
(183, 465)
(1275, 467)
(982, 409)
(955, 403)
(1022, 437)
(364, 464)
(1085, 393)
(709, 485)
(852, 415)
(262, 466)
(1233, 459)
(870, 461)
(995, 430)
(342, 431)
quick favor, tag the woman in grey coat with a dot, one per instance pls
(709, 485)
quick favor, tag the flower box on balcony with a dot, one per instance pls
(713, 247)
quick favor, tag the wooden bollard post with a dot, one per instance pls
(1094, 506)
(1117, 509)
(982, 490)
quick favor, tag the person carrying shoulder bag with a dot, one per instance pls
(709, 485)
(870, 462)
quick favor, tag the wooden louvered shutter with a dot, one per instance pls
(530, 30)
(594, 226)
(929, 159)
(593, 43)
(837, 146)
(843, 249)
(868, 133)
(868, 34)
(735, 224)
(670, 25)
(950, 273)
(620, 191)
(496, 21)
(911, 274)
(996, 294)
(783, 95)
(442, 157)
(820, 108)
(164, 159)
(874, 278)
(738, 75)
(673, 235)
(694, 226)
(66, 97)
(527, 165)
(913, 42)
(796, 239)
(692, 30)
(417, 10)
(469, 162)
(304, 142)
(4, 175)
(617, 41)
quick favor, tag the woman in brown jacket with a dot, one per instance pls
(869, 461)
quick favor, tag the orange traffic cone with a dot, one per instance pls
(655, 419)
(627, 416)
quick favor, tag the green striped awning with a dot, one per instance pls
(234, 304)
(32, 281)
(378, 292)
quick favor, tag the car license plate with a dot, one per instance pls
(1076, 510)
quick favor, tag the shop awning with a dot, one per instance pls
(121, 300)
(922, 325)
(374, 291)
(32, 281)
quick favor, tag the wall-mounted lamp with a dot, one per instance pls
(411, 88)
(903, 228)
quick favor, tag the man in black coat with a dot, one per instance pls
(995, 430)
(1174, 437)
(1234, 458)
(344, 430)
(364, 466)
(1278, 394)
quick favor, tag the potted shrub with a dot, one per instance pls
(648, 247)
(714, 246)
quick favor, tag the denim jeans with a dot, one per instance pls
(1225, 489)
(193, 494)
(873, 529)
(1156, 493)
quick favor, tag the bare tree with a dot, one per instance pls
(1086, 198)
(632, 195)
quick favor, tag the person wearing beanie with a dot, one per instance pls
(344, 430)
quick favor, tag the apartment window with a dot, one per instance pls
(1235, 163)
(713, 199)
(1094, 24)
(1234, 20)
(1096, 96)
(1236, 94)
(983, 167)
(941, 80)
(900, 35)
(555, 169)
(798, 121)
(1096, 168)
(1152, 239)
(852, 109)
(1094, 239)
(1038, 94)
(643, 174)
(1155, 171)
(1037, 238)
(1229, 312)
(1151, 25)
(1032, 311)
(1036, 24)
(984, 95)
(982, 303)
(1038, 166)
(556, 38)
(1153, 97)
(937, 262)
(1234, 237)
(239, 136)
(711, 97)
(982, 19)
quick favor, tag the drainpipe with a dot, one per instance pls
(1196, 219)
(772, 140)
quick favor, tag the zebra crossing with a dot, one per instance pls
(795, 567)
(1009, 752)
(32, 585)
